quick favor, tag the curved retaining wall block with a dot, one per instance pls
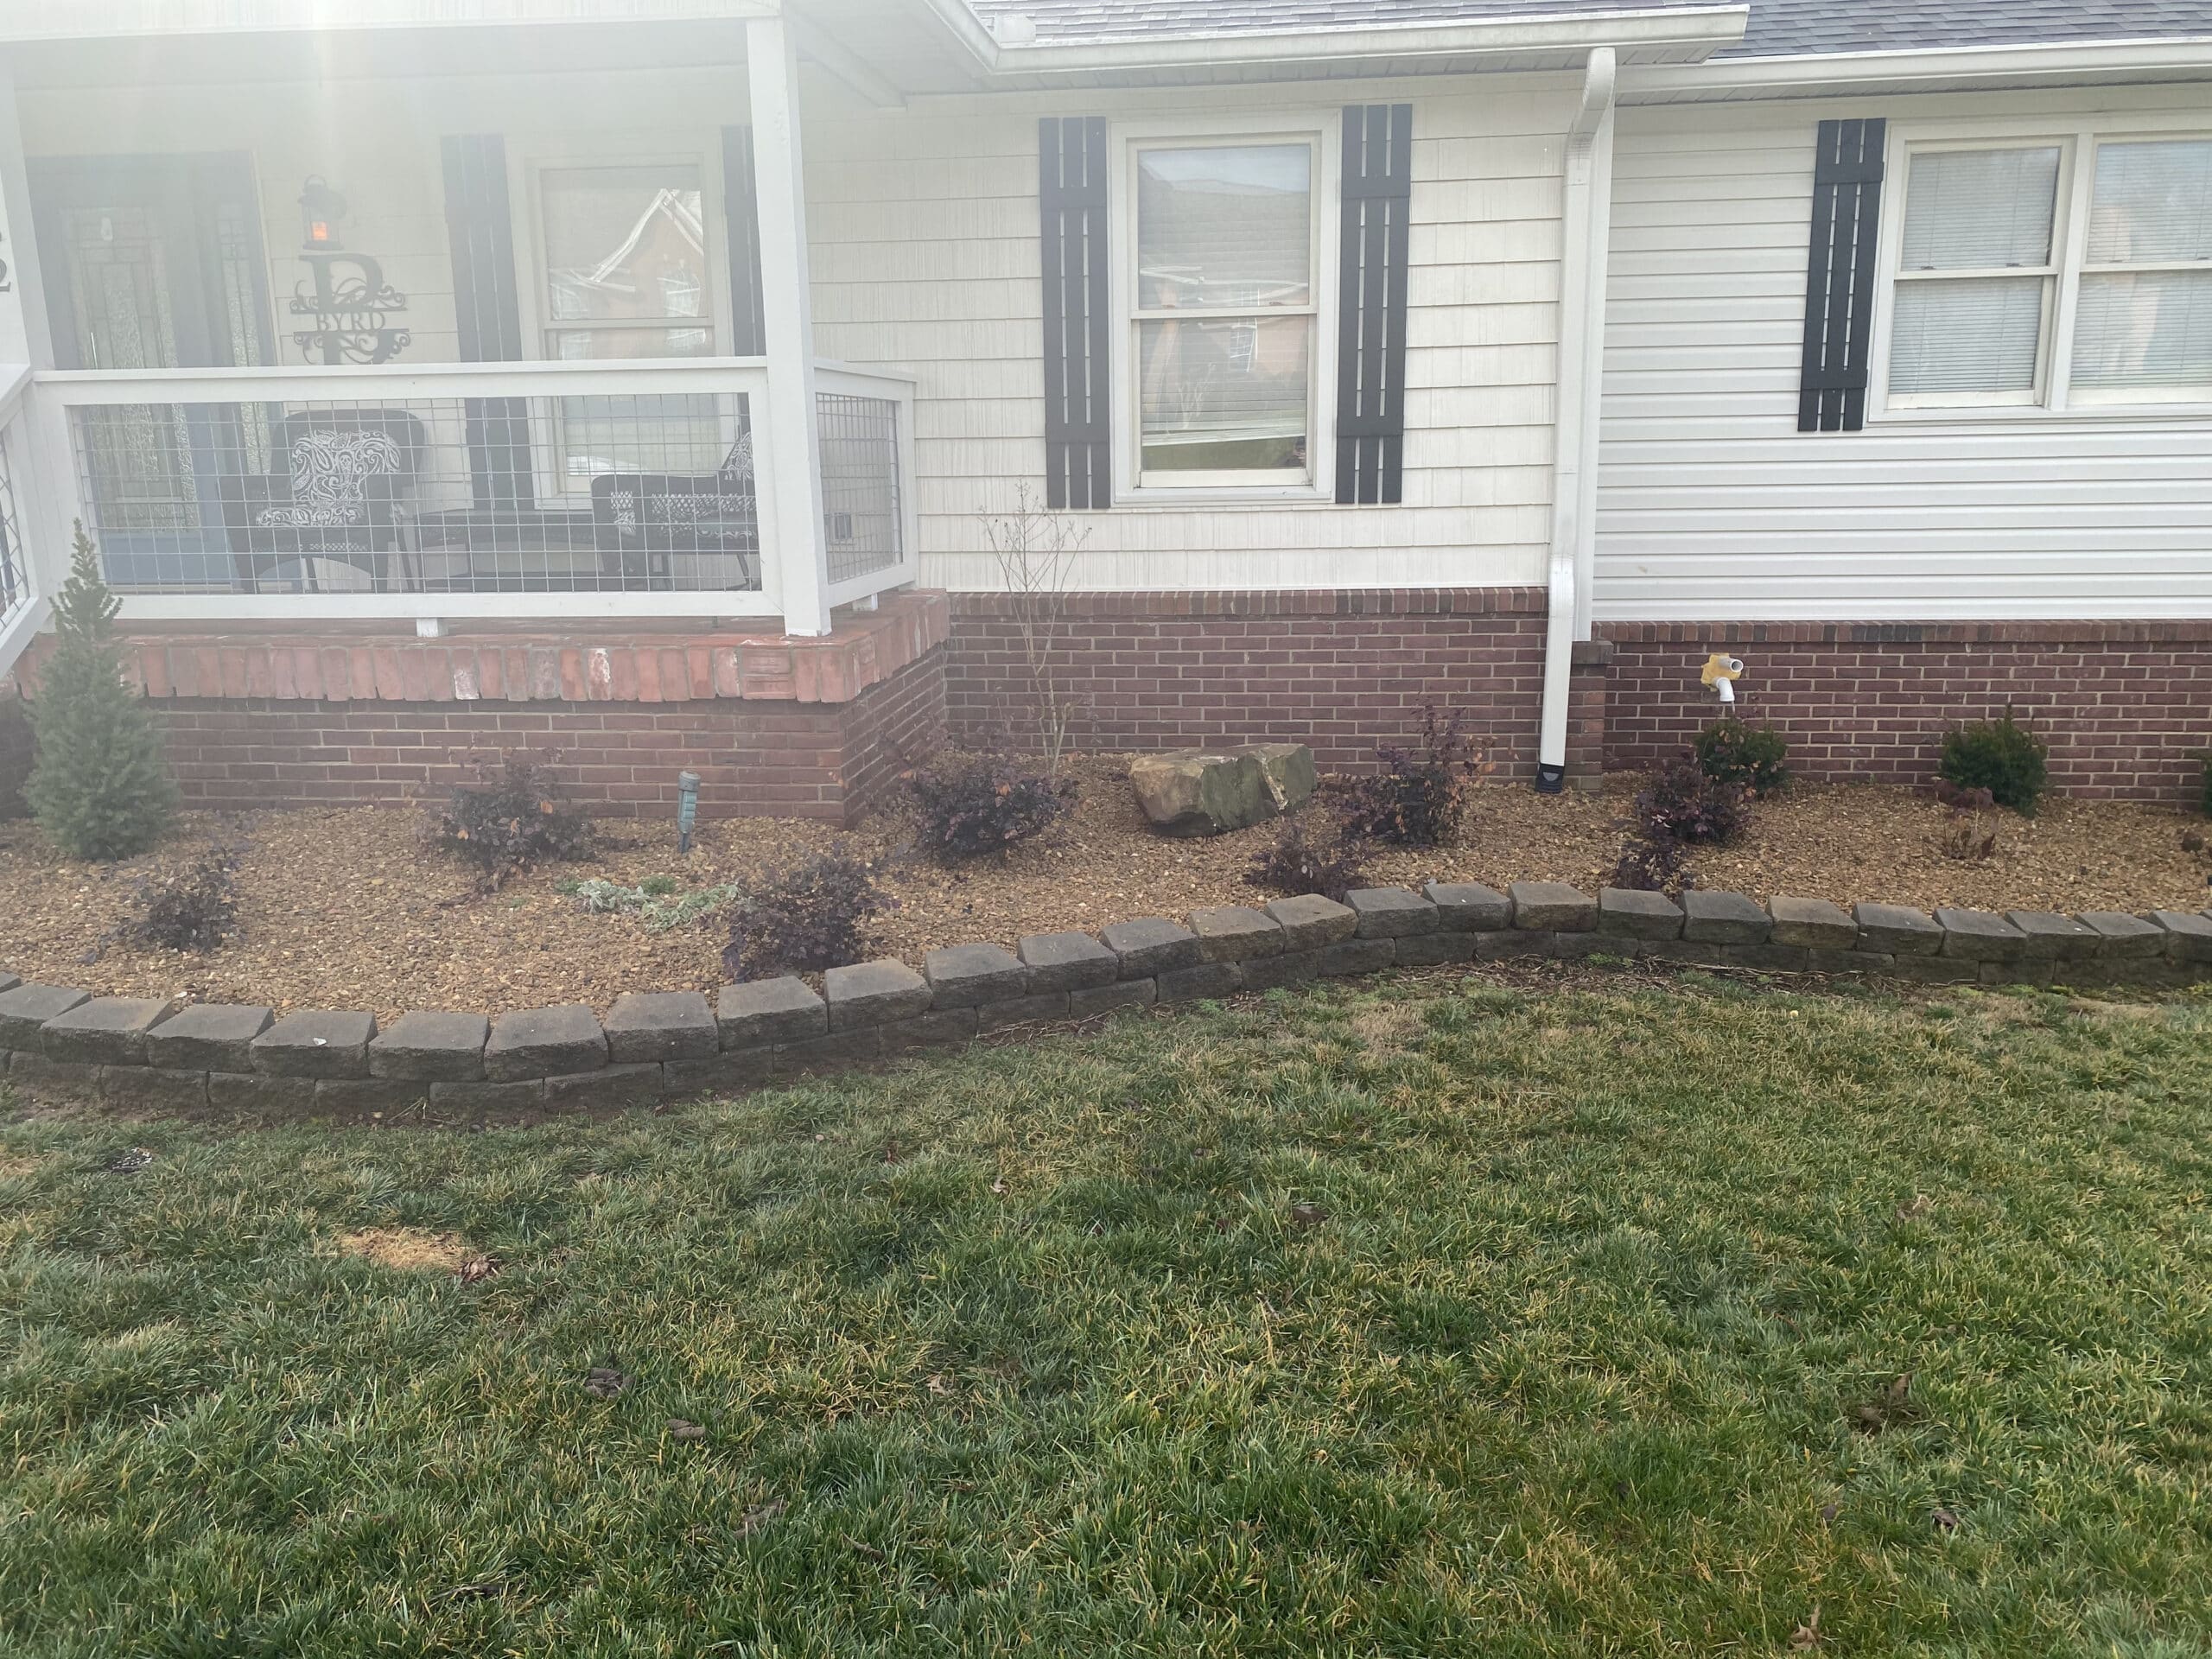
(60, 1043)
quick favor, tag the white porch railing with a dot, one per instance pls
(22, 605)
(521, 490)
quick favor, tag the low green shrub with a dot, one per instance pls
(657, 902)
(1750, 757)
(2001, 756)
(16, 755)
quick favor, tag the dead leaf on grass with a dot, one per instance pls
(1895, 1405)
(1946, 1520)
(680, 1429)
(1921, 1204)
(1308, 1214)
(476, 1270)
(131, 1162)
(411, 1249)
(1806, 1636)
(605, 1382)
(759, 1516)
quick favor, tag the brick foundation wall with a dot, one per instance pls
(2125, 706)
(829, 761)
(1341, 671)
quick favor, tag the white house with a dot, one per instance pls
(638, 377)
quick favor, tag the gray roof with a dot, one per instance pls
(1778, 28)
(1788, 28)
(1060, 23)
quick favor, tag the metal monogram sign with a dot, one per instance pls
(352, 305)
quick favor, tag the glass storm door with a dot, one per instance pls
(155, 262)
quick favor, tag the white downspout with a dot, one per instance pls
(1586, 216)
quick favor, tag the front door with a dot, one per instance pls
(155, 262)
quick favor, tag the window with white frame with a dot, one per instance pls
(625, 273)
(2053, 272)
(1223, 302)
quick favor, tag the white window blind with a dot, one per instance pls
(2145, 315)
(1225, 312)
(1964, 324)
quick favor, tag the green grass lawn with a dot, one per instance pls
(1431, 1319)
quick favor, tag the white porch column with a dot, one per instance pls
(798, 558)
(39, 460)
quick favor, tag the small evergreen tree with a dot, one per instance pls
(99, 789)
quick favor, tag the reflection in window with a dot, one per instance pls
(1225, 320)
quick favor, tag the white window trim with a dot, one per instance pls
(1324, 130)
(2055, 398)
(528, 162)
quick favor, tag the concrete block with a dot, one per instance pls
(2123, 935)
(7, 981)
(1432, 949)
(939, 1028)
(2189, 936)
(644, 1028)
(1898, 930)
(1552, 907)
(107, 1031)
(368, 1096)
(1067, 962)
(1309, 921)
(764, 1011)
(1813, 923)
(1849, 961)
(1687, 953)
(840, 1051)
(607, 1088)
(2052, 937)
(2036, 971)
(544, 1042)
(1925, 969)
(153, 1088)
(41, 1079)
(735, 1072)
(1392, 912)
(1573, 947)
(207, 1037)
(1194, 984)
(1292, 967)
(1094, 1000)
(316, 1043)
(1235, 933)
(1151, 945)
(1979, 934)
(430, 1048)
(869, 993)
(1356, 956)
(1470, 908)
(454, 1095)
(1724, 918)
(1627, 913)
(969, 975)
(258, 1094)
(28, 1007)
(1513, 945)
(1022, 1011)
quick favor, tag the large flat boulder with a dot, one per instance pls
(1212, 792)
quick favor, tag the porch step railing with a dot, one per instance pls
(21, 606)
(537, 490)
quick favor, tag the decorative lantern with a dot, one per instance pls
(321, 208)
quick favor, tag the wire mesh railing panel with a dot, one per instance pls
(860, 506)
(609, 493)
(14, 562)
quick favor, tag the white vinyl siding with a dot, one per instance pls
(1714, 506)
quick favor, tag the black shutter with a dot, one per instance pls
(1840, 277)
(1078, 406)
(1378, 186)
(742, 209)
(487, 312)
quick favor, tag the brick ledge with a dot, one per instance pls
(648, 665)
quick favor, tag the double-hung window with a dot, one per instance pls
(1223, 297)
(2052, 272)
(626, 275)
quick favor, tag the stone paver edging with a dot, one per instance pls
(61, 1043)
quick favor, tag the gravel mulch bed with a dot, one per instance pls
(348, 909)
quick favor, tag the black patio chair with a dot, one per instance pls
(350, 475)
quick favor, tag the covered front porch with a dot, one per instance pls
(454, 326)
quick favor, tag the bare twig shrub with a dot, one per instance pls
(1036, 548)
